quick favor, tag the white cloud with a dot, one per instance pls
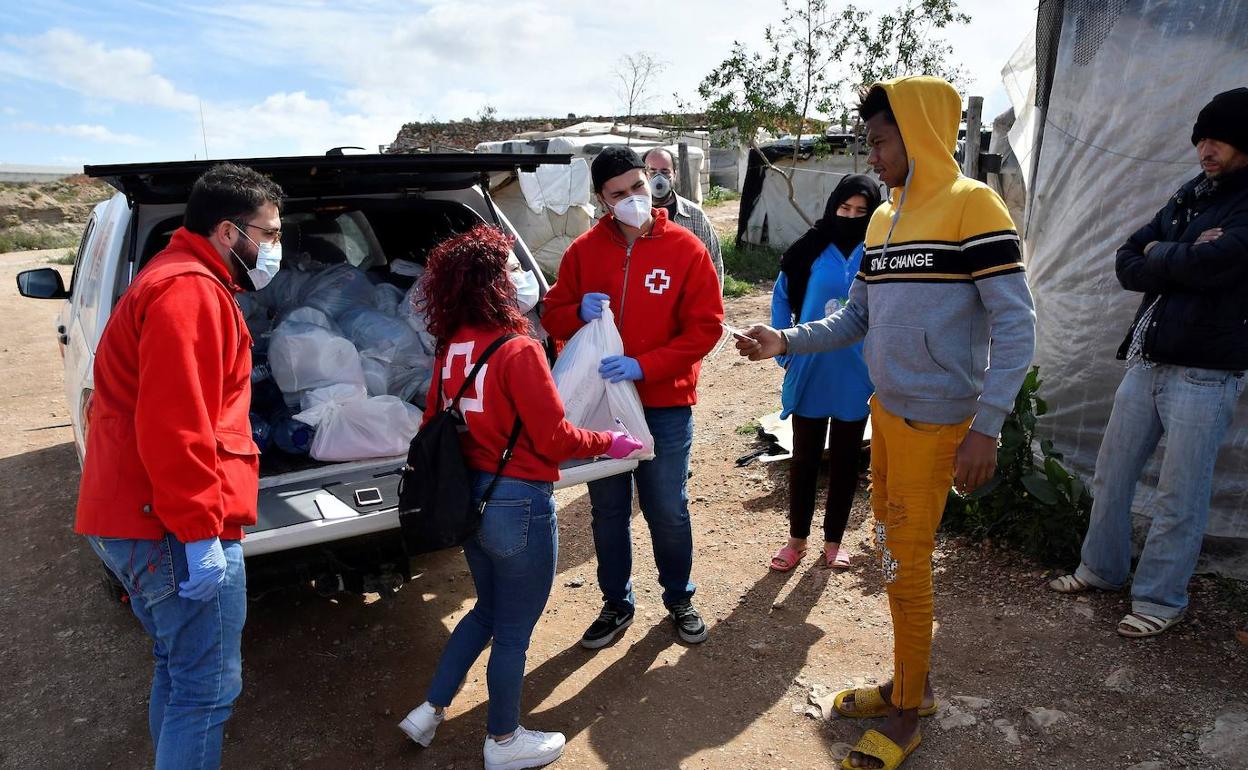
(86, 131)
(101, 74)
(292, 123)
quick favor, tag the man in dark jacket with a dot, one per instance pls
(1186, 354)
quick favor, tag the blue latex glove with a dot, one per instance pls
(591, 306)
(619, 369)
(206, 562)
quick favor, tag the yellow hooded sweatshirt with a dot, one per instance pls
(941, 283)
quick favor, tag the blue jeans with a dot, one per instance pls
(198, 645)
(1193, 409)
(512, 558)
(663, 494)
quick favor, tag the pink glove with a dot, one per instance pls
(622, 445)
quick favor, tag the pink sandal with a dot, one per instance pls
(786, 559)
(834, 558)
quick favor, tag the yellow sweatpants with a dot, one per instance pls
(912, 467)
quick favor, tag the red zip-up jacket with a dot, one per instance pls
(514, 381)
(169, 446)
(664, 294)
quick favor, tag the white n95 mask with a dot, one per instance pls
(662, 186)
(633, 210)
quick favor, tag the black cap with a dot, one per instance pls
(615, 159)
(1225, 118)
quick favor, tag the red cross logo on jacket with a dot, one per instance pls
(658, 281)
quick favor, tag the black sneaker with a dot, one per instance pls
(611, 621)
(688, 622)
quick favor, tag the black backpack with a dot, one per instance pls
(435, 488)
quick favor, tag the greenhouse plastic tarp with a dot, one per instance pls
(1129, 80)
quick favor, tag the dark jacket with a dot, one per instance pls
(1202, 317)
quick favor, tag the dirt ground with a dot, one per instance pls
(326, 680)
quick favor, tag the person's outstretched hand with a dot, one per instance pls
(619, 369)
(206, 562)
(622, 445)
(591, 306)
(760, 342)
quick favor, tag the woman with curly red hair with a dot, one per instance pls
(469, 302)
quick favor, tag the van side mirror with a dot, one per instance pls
(44, 283)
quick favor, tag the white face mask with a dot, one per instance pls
(268, 262)
(662, 186)
(527, 289)
(634, 210)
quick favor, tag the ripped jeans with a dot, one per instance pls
(912, 466)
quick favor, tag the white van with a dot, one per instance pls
(365, 210)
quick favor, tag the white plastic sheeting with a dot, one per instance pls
(557, 188)
(547, 233)
(1129, 80)
(773, 214)
(549, 208)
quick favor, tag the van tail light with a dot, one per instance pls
(84, 414)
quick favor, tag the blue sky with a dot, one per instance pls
(113, 82)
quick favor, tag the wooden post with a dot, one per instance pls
(970, 151)
(684, 185)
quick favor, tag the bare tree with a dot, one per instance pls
(636, 74)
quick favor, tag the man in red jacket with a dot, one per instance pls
(171, 473)
(659, 281)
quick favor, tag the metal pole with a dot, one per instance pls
(970, 151)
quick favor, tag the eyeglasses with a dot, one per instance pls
(271, 234)
(667, 172)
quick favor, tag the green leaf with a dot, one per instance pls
(1040, 488)
(1055, 472)
(987, 489)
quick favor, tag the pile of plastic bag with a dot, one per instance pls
(350, 356)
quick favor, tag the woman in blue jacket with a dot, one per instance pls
(825, 393)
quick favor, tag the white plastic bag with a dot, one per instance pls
(591, 402)
(284, 291)
(304, 356)
(386, 297)
(416, 319)
(337, 289)
(387, 346)
(310, 315)
(351, 426)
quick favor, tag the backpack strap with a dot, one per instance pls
(502, 463)
(472, 376)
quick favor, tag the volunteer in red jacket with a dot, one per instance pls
(469, 303)
(171, 473)
(664, 292)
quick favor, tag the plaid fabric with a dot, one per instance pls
(1135, 351)
(693, 219)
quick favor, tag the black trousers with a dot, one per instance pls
(844, 441)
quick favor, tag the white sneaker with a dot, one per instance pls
(526, 748)
(421, 723)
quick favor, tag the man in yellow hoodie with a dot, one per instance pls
(944, 308)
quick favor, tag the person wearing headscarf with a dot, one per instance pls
(825, 394)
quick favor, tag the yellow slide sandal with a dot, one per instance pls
(875, 744)
(868, 704)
